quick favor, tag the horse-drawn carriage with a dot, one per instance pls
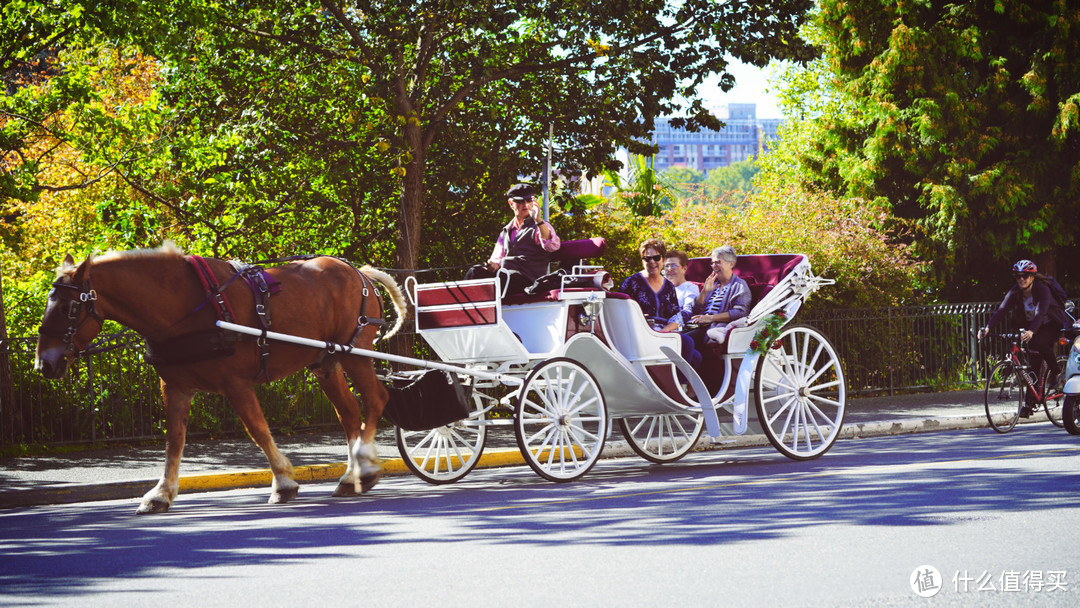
(561, 365)
(567, 363)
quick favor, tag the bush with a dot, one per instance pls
(840, 236)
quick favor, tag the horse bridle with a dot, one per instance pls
(66, 329)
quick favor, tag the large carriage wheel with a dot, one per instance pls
(447, 453)
(1004, 396)
(663, 438)
(801, 393)
(560, 421)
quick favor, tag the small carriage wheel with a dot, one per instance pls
(801, 393)
(663, 438)
(1053, 406)
(1004, 396)
(1070, 414)
(561, 420)
(445, 454)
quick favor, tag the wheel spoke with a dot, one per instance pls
(800, 394)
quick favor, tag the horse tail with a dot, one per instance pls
(392, 288)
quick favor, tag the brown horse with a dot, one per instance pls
(160, 294)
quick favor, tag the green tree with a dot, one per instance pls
(684, 181)
(736, 177)
(964, 121)
(433, 73)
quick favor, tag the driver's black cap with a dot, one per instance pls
(520, 192)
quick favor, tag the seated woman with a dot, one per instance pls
(657, 296)
(724, 298)
(675, 264)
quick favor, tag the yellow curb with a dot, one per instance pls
(257, 478)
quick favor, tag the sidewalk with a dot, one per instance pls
(235, 463)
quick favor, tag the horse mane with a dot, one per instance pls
(167, 249)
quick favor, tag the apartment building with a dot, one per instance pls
(742, 137)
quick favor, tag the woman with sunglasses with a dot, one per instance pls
(1031, 305)
(657, 296)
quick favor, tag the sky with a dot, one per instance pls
(751, 86)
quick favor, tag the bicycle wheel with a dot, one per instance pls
(1004, 397)
(1054, 396)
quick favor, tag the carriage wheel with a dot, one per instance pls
(1004, 397)
(560, 421)
(663, 438)
(1070, 414)
(1054, 394)
(447, 453)
(801, 394)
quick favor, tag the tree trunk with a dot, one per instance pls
(410, 226)
(12, 416)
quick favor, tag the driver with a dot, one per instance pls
(523, 249)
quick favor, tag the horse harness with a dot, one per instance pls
(80, 295)
(204, 345)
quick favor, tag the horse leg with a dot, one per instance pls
(363, 469)
(177, 406)
(246, 405)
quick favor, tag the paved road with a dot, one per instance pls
(226, 464)
(742, 528)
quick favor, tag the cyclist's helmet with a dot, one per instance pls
(1025, 266)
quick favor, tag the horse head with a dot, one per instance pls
(71, 319)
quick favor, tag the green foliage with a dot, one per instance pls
(840, 236)
(645, 191)
(960, 119)
(735, 178)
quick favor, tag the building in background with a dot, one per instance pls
(743, 137)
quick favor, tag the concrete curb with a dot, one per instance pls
(261, 478)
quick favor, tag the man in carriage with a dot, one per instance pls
(523, 249)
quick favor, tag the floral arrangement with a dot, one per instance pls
(767, 337)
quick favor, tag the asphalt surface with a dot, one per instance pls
(130, 472)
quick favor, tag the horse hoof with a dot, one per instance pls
(152, 506)
(345, 489)
(368, 481)
(282, 496)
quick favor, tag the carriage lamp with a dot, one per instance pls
(591, 308)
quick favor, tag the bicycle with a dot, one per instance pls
(1011, 381)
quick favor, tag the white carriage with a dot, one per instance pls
(563, 366)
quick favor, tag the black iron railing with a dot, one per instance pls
(113, 394)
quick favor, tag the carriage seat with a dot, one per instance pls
(568, 255)
(761, 272)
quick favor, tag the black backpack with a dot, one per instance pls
(1056, 290)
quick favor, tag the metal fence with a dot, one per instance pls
(113, 395)
(909, 347)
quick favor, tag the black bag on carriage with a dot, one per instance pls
(434, 399)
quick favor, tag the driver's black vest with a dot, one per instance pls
(524, 254)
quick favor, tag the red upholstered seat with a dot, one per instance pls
(761, 272)
(581, 249)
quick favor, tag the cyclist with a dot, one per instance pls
(1030, 304)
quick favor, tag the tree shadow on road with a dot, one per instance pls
(711, 498)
